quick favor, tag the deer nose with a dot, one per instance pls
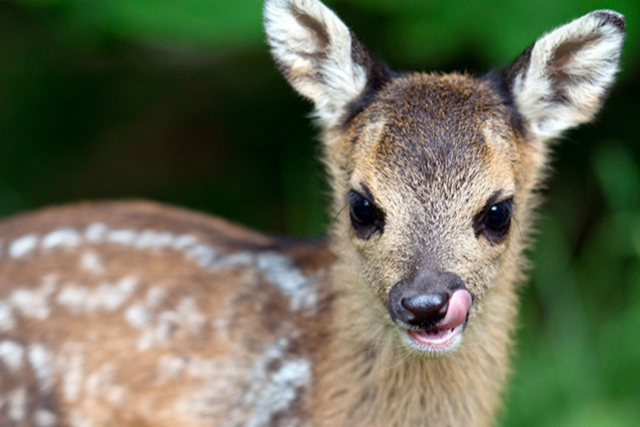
(425, 310)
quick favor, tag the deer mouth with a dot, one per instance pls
(445, 335)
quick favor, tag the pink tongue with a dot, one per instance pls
(459, 304)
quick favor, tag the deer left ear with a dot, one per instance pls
(320, 56)
(562, 79)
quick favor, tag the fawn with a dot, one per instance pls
(136, 314)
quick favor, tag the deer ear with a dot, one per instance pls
(562, 79)
(319, 56)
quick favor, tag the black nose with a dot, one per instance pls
(423, 300)
(425, 310)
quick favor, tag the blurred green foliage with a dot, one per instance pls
(178, 101)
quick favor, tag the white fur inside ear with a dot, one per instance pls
(569, 72)
(312, 46)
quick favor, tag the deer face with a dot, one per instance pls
(433, 170)
(433, 175)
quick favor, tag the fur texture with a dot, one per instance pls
(431, 150)
(313, 49)
(133, 314)
(568, 72)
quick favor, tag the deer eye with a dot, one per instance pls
(494, 220)
(366, 218)
(499, 216)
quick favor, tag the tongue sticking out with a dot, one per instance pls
(457, 311)
(445, 330)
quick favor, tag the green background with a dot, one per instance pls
(179, 101)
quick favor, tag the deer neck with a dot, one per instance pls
(366, 376)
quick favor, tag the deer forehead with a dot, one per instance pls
(428, 139)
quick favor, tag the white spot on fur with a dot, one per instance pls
(184, 241)
(170, 368)
(44, 418)
(158, 328)
(73, 297)
(116, 395)
(116, 295)
(281, 391)
(155, 296)
(122, 237)
(91, 263)
(155, 240)
(34, 303)
(11, 354)
(23, 246)
(201, 254)
(108, 297)
(61, 238)
(280, 272)
(191, 315)
(96, 232)
(266, 392)
(203, 368)
(40, 360)
(157, 335)
(78, 419)
(238, 259)
(100, 380)
(272, 392)
(73, 374)
(7, 322)
(221, 324)
(17, 404)
(206, 256)
(137, 316)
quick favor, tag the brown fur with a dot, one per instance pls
(363, 373)
(135, 314)
(472, 152)
(133, 390)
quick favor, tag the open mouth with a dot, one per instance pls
(445, 335)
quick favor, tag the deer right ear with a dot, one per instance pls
(562, 79)
(319, 56)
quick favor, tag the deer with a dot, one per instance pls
(132, 313)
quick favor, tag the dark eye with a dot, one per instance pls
(366, 218)
(494, 221)
(362, 211)
(499, 216)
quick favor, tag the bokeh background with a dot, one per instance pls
(178, 101)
